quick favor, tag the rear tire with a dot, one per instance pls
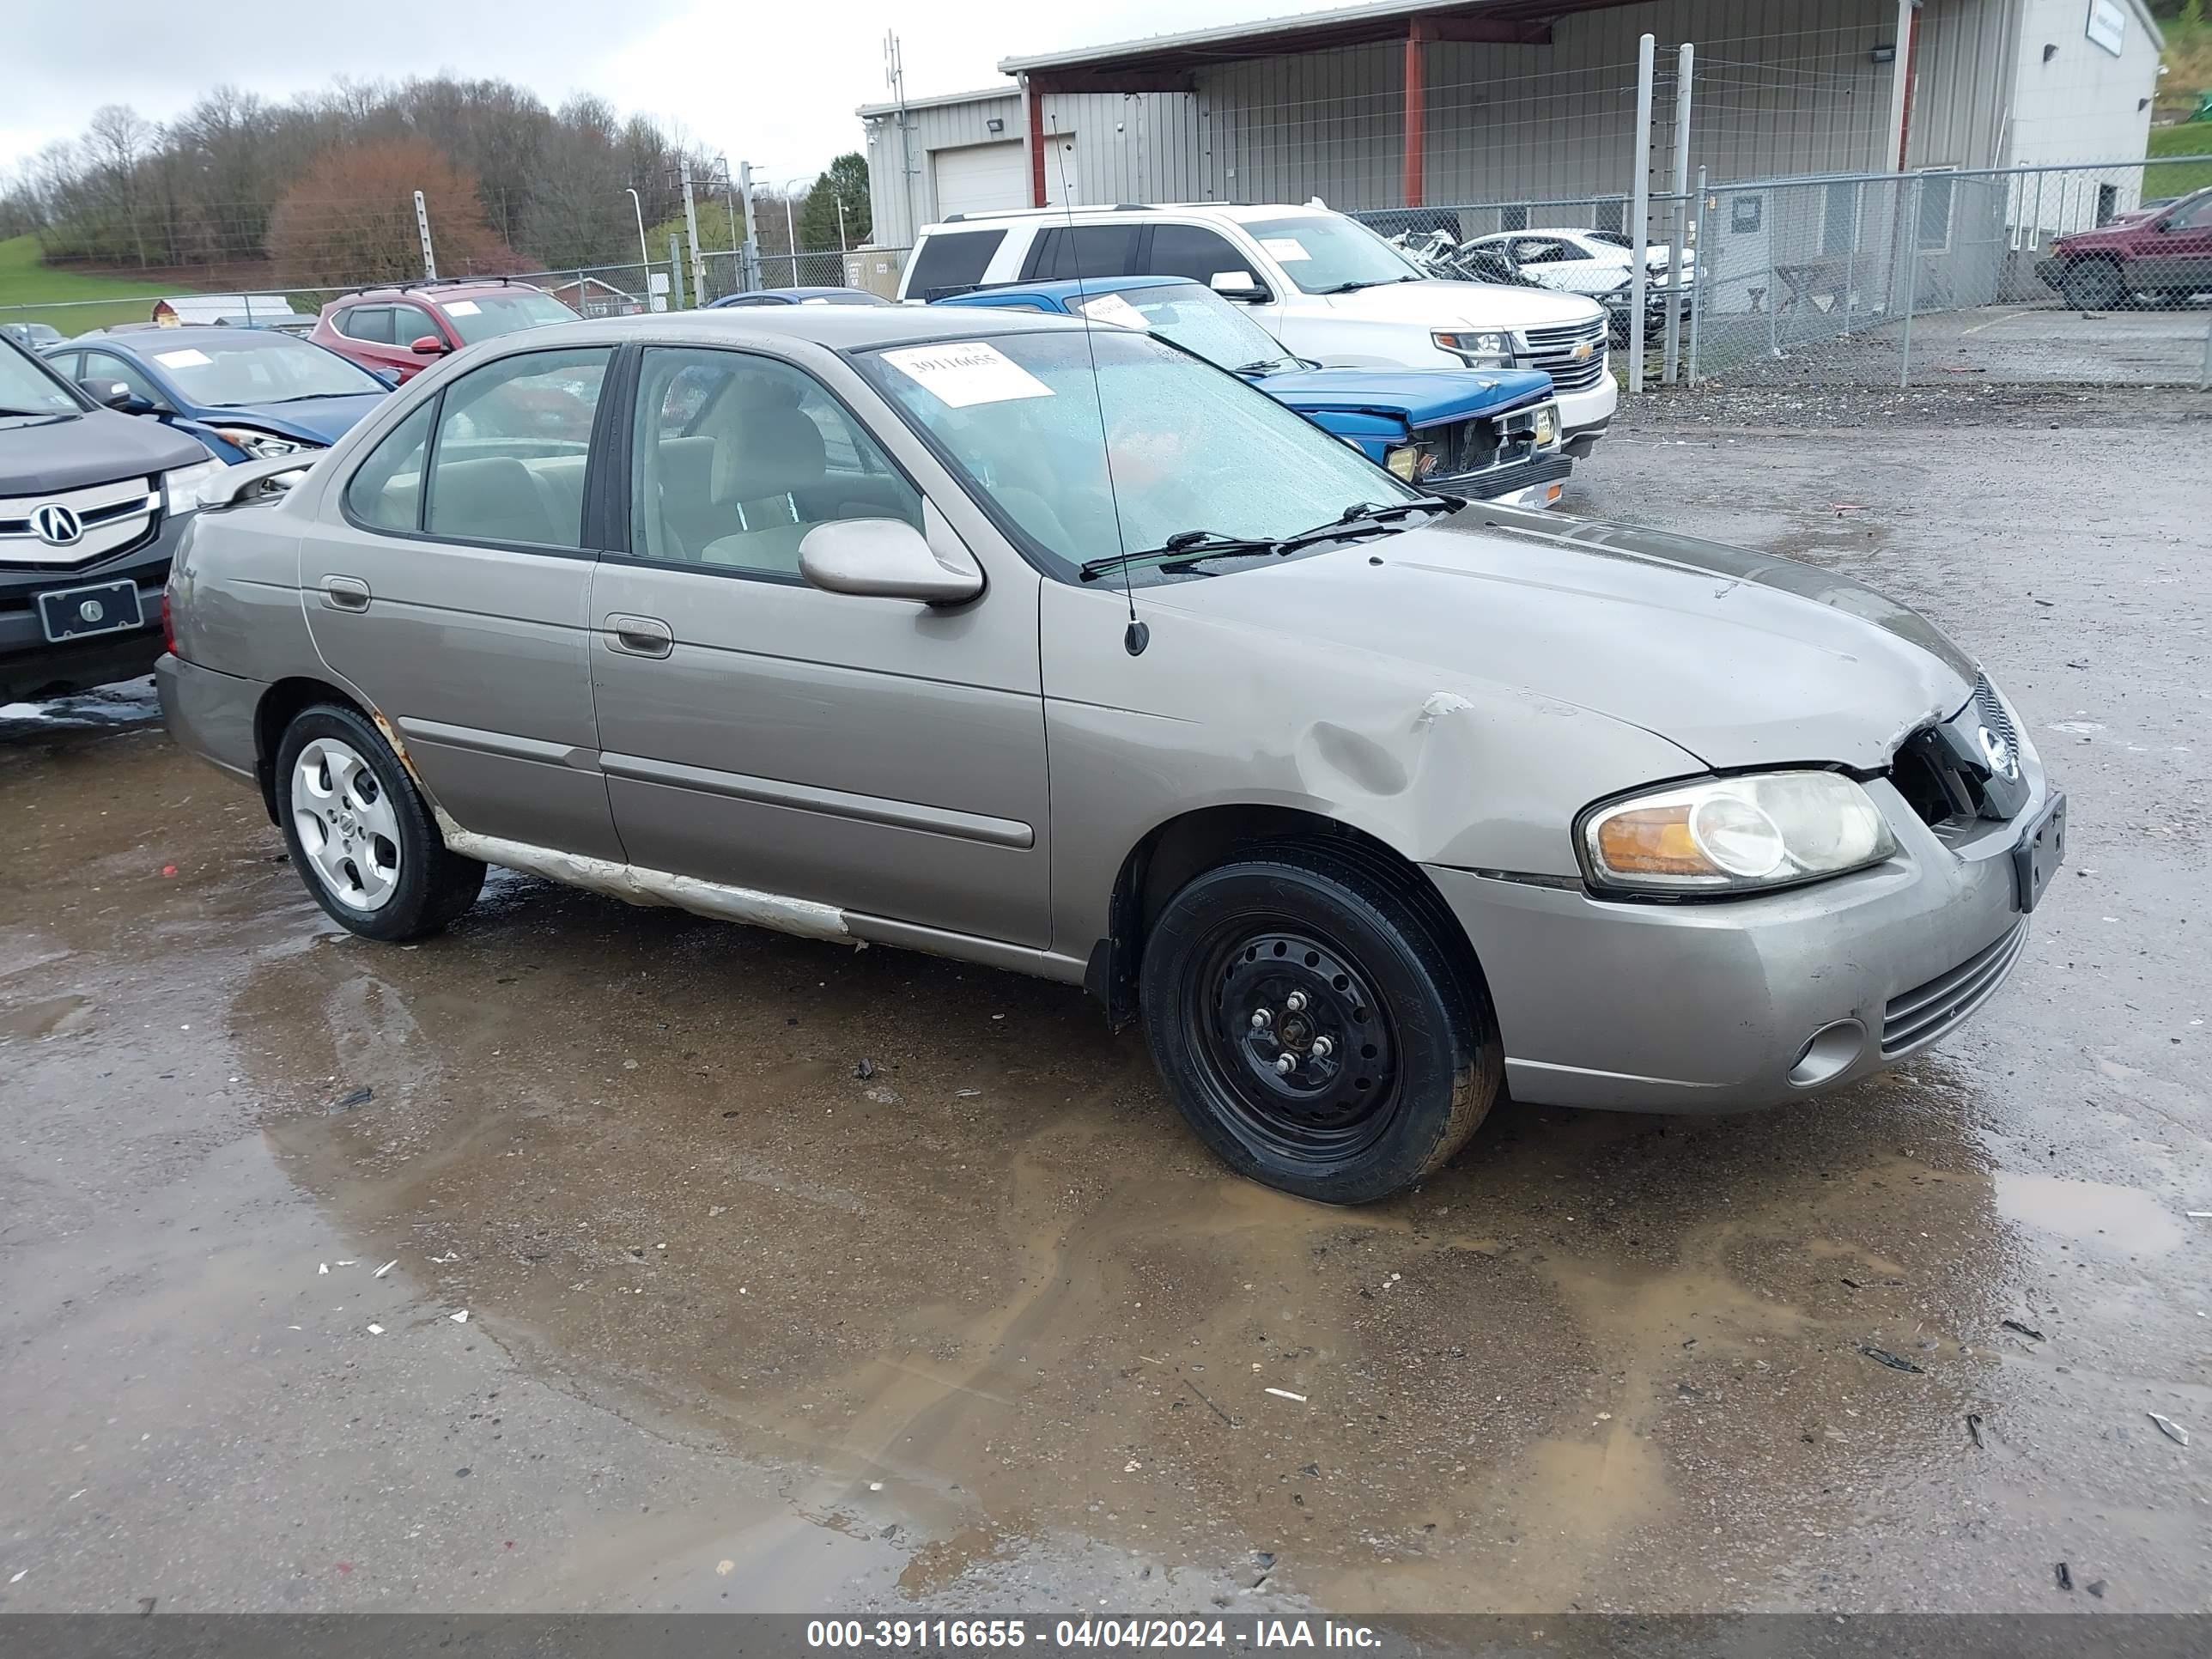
(1343, 967)
(2094, 285)
(361, 835)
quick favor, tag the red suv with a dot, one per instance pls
(407, 329)
(2164, 251)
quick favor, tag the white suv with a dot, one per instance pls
(1323, 285)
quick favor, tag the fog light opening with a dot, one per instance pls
(1828, 1052)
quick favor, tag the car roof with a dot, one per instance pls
(839, 328)
(1064, 289)
(150, 335)
(1239, 212)
(432, 292)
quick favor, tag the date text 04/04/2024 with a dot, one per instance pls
(897, 1634)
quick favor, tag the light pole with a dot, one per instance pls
(644, 257)
(791, 235)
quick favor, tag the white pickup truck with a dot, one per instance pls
(1325, 285)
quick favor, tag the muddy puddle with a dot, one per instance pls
(992, 1290)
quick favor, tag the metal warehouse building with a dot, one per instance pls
(1498, 101)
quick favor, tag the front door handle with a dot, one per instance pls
(640, 636)
(345, 593)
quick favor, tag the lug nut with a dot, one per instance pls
(1295, 1002)
(1323, 1047)
(1286, 1065)
(1261, 1019)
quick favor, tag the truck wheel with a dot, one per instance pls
(2094, 285)
(1312, 1026)
(361, 836)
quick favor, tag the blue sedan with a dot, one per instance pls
(247, 394)
(1492, 434)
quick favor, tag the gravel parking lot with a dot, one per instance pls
(796, 1275)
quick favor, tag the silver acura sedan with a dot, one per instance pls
(1060, 650)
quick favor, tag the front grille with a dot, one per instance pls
(1553, 350)
(1991, 709)
(115, 518)
(1944, 771)
(1926, 1012)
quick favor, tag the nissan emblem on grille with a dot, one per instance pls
(1998, 753)
(57, 525)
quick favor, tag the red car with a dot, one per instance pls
(2164, 251)
(405, 329)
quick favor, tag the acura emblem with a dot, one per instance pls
(57, 526)
(91, 611)
(2002, 762)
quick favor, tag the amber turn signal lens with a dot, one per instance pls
(1651, 840)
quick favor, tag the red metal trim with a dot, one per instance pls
(1418, 35)
(1034, 98)
(1912, 75)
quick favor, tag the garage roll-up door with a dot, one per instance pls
(979, 178)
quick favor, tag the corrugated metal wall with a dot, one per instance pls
(929, 127)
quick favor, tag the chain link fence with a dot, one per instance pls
(2098, 275)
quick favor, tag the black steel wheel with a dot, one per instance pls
(2095, 285)
(1318, 1028)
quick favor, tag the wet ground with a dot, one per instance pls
(986, 1328)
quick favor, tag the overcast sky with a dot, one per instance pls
(774, 84)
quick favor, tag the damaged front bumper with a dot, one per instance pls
(1728, 1005)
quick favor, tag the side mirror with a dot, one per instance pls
(389, 376)
(885, 559)
(1238, 285)
(428, 346)
(116, 395)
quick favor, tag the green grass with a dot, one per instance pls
(2193, 138)
(33, 293)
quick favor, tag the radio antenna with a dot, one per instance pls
(1137, 637)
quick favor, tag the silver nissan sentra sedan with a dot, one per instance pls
(1057, 649)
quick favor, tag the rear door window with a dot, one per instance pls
(952, 262)
(1064, 252)
(369, 322)
(512, 445)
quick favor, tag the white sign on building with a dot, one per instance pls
(2108, 25)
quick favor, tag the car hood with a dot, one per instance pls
(1420, 396)
(319, 420)
(39, 456)
(1741, 658)
(1438, 304)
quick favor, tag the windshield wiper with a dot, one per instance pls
(35, 414)
(1184, 547)
(1355, 285)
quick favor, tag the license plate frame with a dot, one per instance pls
(61, 613)
(2038, 855)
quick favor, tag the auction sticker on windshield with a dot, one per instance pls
(1113, 308)
(462, 308)
(1288, 249)
(187, 358)
(965, 373)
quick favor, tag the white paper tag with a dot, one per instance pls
(1113, 308)
(1287, 249)
(962, 373)
(468, 307)
(188, 358)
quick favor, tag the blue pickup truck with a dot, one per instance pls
(1490, 434)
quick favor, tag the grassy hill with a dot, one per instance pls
(2193, 139)
(72, 301)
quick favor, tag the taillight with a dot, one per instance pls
(168, 626)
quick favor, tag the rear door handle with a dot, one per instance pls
(345, 593)
(640, 636)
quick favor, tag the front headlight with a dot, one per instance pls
(1547, 425)
(188, 487)
(261, 446)
(1735, 835)
(1410, 463)
(1492, 346)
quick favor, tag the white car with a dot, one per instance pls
(1591, 262)
(1325, 285)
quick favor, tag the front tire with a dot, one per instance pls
(1307, 1012)
(2095, 285)
(361, 835)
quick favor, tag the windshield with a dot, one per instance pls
(221, 370)
(1325, 255)
(28, 386)
(1197, 320)
(1193, 448)
(511, 308)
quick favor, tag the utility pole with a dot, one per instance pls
(691, 229)
(675, 273)
(1684, 64)
(752, 235)
(895, 78)
(1639, 215)
(423, 230)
